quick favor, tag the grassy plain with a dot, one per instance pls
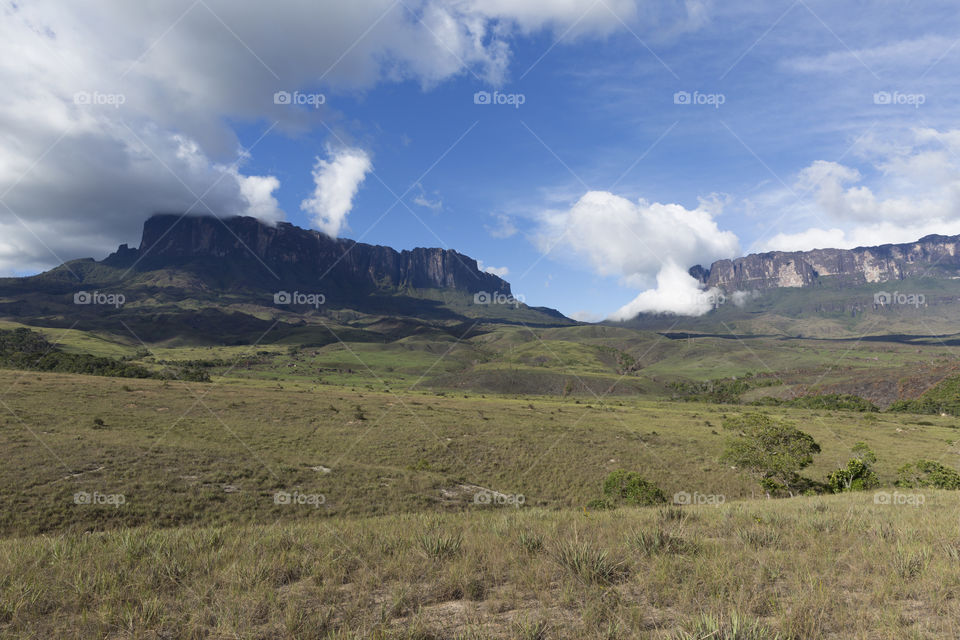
(350, 490)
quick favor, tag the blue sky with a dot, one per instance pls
(590, 193)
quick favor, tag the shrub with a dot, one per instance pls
(774, 451)
(858, 475)
(630, 487)
(927, 473)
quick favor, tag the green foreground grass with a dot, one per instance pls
(817, 567)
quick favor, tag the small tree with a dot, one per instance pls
(630, 487)
(774, 451)
(858, 475)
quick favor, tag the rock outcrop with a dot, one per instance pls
(934, 256)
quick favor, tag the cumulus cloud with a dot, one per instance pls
(115, 110)
(336, 181)
(503, 272)
(676, 292)
(905, 189)
(641, 242)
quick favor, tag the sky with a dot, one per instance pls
(588, 151)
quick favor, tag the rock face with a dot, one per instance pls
(248, 252)
(934, 256)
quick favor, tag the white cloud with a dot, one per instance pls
(177, 76)
(336, 182)
(676, 292)
(503, 229)
(639, 242)
(917, 53)
(741, 298)
(913, 191)
(862, 236)
(497, 271)
(422, 200)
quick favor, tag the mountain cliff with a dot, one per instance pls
(251, 254)
(933, 256)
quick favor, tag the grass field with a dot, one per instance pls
(364, 490)
(831, 567)
(217, 453)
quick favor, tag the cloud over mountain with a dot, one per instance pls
(336, 181)
(115, 110)
(642, 243)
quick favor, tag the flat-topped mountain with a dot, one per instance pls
(933, 256)
(228, 280)
(288, 255)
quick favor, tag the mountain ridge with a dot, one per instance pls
(228, 280)
(289, 254)
(933, 255)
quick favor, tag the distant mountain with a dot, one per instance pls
(247, 252)
(887, 290)
(931, 256)
(220, 279)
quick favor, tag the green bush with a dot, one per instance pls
(858, 475)
(631, 488)
(773, 451)
(927, 473)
